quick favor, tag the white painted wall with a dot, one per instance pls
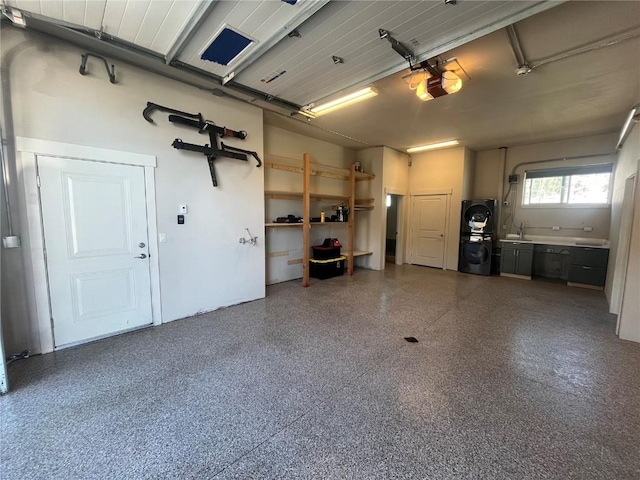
(287, 242)
(370, 226)
(392, 176)
(202, 265)
(443, 171)
(486, 184)
(395, 179)
(626, 166)
(487, 174)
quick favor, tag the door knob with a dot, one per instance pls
(142, 255)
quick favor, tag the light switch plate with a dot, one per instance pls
(183, 209)
(162, 237)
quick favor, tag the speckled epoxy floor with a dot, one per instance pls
(510, 379)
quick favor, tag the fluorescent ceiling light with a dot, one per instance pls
(433, 146)
(306, 113)
(341, 102)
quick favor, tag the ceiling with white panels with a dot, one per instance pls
(152, 24)
(297, 69)
(350, 30)
(260, 21)
(577, 96)
(580, 95)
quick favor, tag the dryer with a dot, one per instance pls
(478, 216)
(475, 254)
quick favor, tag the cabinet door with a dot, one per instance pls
(587, 275)
(592, 257)
(524, 262)
(508, 260)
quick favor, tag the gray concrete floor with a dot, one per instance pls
(510, 379)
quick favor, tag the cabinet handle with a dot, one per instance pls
(586, 268)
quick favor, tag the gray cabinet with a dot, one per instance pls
(516, 258)
(588, 266)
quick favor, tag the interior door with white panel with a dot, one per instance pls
(428, 221)
(96, 241)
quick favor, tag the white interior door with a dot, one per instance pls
(428, 222)
(96, 241)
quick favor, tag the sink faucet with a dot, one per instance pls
(520, 231)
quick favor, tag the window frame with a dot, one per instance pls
(565, 185)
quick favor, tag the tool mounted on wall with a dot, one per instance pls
(212, 151)
(83, 66)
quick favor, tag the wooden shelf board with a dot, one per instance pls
(281, 195)
(278, 225)
(357, 253)
(363, 177)
(318, 170)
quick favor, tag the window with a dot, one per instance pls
(587, 185)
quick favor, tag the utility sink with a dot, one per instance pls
(515, 236)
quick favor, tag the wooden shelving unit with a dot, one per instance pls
(320, 224)
(327, 171)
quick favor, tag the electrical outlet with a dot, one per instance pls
(555, 228)
(504, 227)
(162, 237)
(588, 229)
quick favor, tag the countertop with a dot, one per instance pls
(560, 241)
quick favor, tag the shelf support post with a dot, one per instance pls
(352, 217)
(306, 219)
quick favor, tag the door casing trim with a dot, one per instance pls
(37, 291)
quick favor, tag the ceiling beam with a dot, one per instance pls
(200, 14)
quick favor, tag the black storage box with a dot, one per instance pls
(320, 252)
(324, 269)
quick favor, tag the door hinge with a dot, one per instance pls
(38, 180)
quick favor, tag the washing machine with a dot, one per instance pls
(478, 216)
(475, 254)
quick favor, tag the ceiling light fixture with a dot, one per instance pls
(438, 85)
(344, 101)
(307, 114)
(433, 146)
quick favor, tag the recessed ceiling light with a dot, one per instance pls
(341, 102)
(433, 146)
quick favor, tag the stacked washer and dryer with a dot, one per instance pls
(477, 227)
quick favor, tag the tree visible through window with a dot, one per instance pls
(591, 187)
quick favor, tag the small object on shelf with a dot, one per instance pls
(323, 269)
(325, 253)
(357, 166)
(322, 216)
(342, 212)
(331, 242)
(288, 219)
(330, 249)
